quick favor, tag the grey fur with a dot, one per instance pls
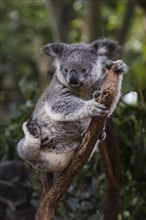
(63, 113)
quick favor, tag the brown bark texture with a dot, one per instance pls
(52, 196)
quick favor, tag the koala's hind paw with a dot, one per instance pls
(33, 128)
(102, 136)
(120, 66)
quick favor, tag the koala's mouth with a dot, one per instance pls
(75, 84)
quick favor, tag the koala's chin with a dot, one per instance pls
(76, 85)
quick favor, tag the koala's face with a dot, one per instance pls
(75, 66)
(79, 64)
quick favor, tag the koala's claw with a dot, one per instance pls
(96, 95)
(33, 128)
(108, 64)
(102, 136)
(97, 109)
(120, 66)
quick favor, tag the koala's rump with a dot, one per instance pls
(52, 161)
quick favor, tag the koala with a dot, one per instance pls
(64, 111)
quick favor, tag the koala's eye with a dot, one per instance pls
(65, 70)
(83, 70)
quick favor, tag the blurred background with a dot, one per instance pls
(25, 27)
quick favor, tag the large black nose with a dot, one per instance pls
(73, 78)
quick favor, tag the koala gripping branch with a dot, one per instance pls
(52, 195)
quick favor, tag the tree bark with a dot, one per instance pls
(111, 146)
(51, 198)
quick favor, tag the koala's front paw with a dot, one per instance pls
(97, 109)
(31, 127)
(120, 66)
(108, 64)
(96, 96)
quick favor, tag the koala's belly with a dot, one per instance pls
(63, 136)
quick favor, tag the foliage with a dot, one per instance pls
(131, 132)
(25, 27)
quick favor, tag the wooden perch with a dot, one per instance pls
(52, 196)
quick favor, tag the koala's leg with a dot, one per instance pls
(74, 109)
(29, 147)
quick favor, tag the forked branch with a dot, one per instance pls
(51, 197)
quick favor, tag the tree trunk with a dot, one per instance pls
(61, 13)
(112, 195)
(94, 19)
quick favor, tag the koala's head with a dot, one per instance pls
(81, 64)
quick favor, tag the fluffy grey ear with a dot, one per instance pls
(105, 47)
(54, 49)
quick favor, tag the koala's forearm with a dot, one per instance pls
(66, 109)
(74, 109)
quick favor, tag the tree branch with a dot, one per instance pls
(109, 151)
(52, 197)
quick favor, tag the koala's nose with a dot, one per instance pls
(73, 78)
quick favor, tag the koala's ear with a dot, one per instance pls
(54, 49)
(105, 46)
